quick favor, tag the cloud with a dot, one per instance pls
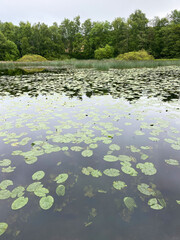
(98, 10)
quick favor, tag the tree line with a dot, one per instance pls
(160, 37)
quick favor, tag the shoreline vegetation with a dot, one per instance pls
(73, 39)
(97, 64)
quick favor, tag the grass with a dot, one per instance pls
(97, 64)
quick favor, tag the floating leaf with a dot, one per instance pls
(38, 175)
(96, 173)
(144, 156)
(19, 203)
(4, 184)
(119, 185)
(129, 170)
(8, 169)
(114, 147)
(60, 190)
(18, 192)
(41, 191)
(110, 158)
(61, 178)
(130, 203)
(124, 158)
(46, 202)
(33, 186)
(145, 189)
(172, 162)
(112, 172)
(153, 203)
(3, 227)
(87, 153)
(147, 168)
(5, 194)
(178, 201)
(5, 162)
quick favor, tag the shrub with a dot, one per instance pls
(106, 52)
(140, 55)
(32, 58)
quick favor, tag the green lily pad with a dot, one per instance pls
(19, 203)
(33, 186)
(87, 171)
(130, 203)
(147, 168)
(41, 191)
(60, 190)
(178, 201)
(119, 185)
(87, 153)
(61, 178)
(38, 175)
(153, 203)
(4, 184)
(172, 162)
(96, 173)
(114, 147)
(17, 192)
(112, 172)
(124, 158)
(8, 169)
(110, 158)
(46, 202)
(129, 170)
(3, 227)
(4, 194)
(145, 189)
(5, 163)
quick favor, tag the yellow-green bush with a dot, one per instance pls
(32, 58)
(140, 55)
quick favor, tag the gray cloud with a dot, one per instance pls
(49, 11)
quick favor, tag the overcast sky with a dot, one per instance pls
(49, 11)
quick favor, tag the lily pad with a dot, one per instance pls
(114, 147)
(112, 172)
(46, 202)
(145, 189)
(3, 227)
(60, 190)
(110, 158)
(4, 184)
(61, 178)
(5, 163)
(129, 170)
(130, 203)
(17, 192)
(41, 191)
(153, 203)
(4, 194)
(172, 162)
(147, 168)
(19, 203)
(38, 175)
(87, 153)
(119, 185)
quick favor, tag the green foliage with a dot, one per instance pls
(106, 52)
(32, 58)
(140, 55)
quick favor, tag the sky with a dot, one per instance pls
(49, 11)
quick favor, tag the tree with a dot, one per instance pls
(8, 49)
(120, 36)
(106, 52)
(137, 31)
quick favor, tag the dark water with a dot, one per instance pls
(80, 108)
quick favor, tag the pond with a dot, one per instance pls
(87, 154)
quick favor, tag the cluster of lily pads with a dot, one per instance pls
(128, 83)
(119, 135)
